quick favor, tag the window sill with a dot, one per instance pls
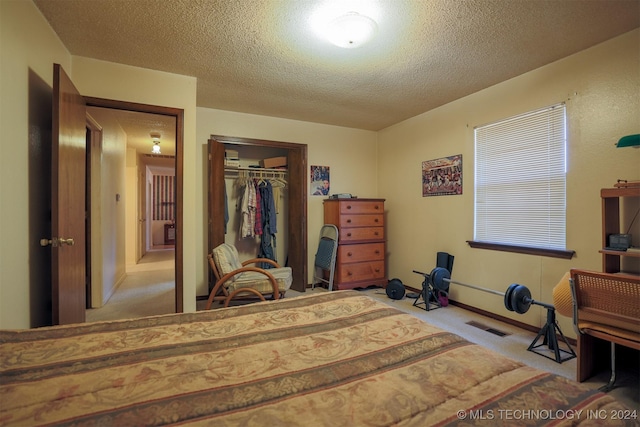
(553, 253)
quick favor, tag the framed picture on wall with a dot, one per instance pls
(320, 180)
(442, 177)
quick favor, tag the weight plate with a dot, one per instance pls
(440, 278)
(507, 296)
(395, 289)
(521, 299)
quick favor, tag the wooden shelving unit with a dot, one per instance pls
(594, 353)
(611, 225)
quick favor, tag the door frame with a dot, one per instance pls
(297, 200)
(93, 216)
(178, 114)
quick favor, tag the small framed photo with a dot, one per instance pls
(320, 180)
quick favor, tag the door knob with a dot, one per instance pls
(47, 242)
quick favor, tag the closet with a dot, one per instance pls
(257, 214)
(292, 233)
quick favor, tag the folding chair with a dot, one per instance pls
(325, 260)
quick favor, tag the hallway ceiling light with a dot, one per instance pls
(351, 30)
(156, 143)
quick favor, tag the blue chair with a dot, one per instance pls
(325, 260)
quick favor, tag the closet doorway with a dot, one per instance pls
(296, 201)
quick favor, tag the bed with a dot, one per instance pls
(328, 359)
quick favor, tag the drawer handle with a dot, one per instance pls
(348, 206)
(376, 233)
(349, 221)
(349, 254)
(377, 207)
(349, 273)
(348, 234)
(377, 252)
(377, 270)
(375, 220)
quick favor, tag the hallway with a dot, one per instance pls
(147, 290)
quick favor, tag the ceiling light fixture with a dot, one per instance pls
(351, 30)
(156, 143)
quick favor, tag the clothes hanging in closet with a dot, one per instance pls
(226, 210)
(268, 221)
(259, 216)
(248, 210)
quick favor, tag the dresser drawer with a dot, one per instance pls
(360, 234)
(360, 271)
(367, 220)
(361, 207)
(358, 253)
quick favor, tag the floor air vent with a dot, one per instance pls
(489, 329)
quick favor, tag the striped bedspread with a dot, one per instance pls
(329, 359)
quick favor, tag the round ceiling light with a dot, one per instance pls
(351, 30)
(155, 138)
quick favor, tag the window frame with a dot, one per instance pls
(506, 246)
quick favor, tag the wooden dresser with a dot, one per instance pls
(361, 243)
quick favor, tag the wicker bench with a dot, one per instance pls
(607, 307)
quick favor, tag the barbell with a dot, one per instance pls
(517, 298)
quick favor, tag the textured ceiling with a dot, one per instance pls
(262, 57)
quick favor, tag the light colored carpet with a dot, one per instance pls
(149, 290)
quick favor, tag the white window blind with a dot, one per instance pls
(520, 181)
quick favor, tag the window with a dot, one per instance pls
(520, 183)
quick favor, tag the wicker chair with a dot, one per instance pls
(607, 306)
(235, 278)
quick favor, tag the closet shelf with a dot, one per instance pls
(256, 172)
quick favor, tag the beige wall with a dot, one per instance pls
(29, 48)
(112, 211)
(131, 207)
(350, 153)
(601, 88)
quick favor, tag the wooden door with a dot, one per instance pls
(297, 206)
(67, 241)
(297, 161)
(215, 195)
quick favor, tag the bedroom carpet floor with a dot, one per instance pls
(149, 290)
